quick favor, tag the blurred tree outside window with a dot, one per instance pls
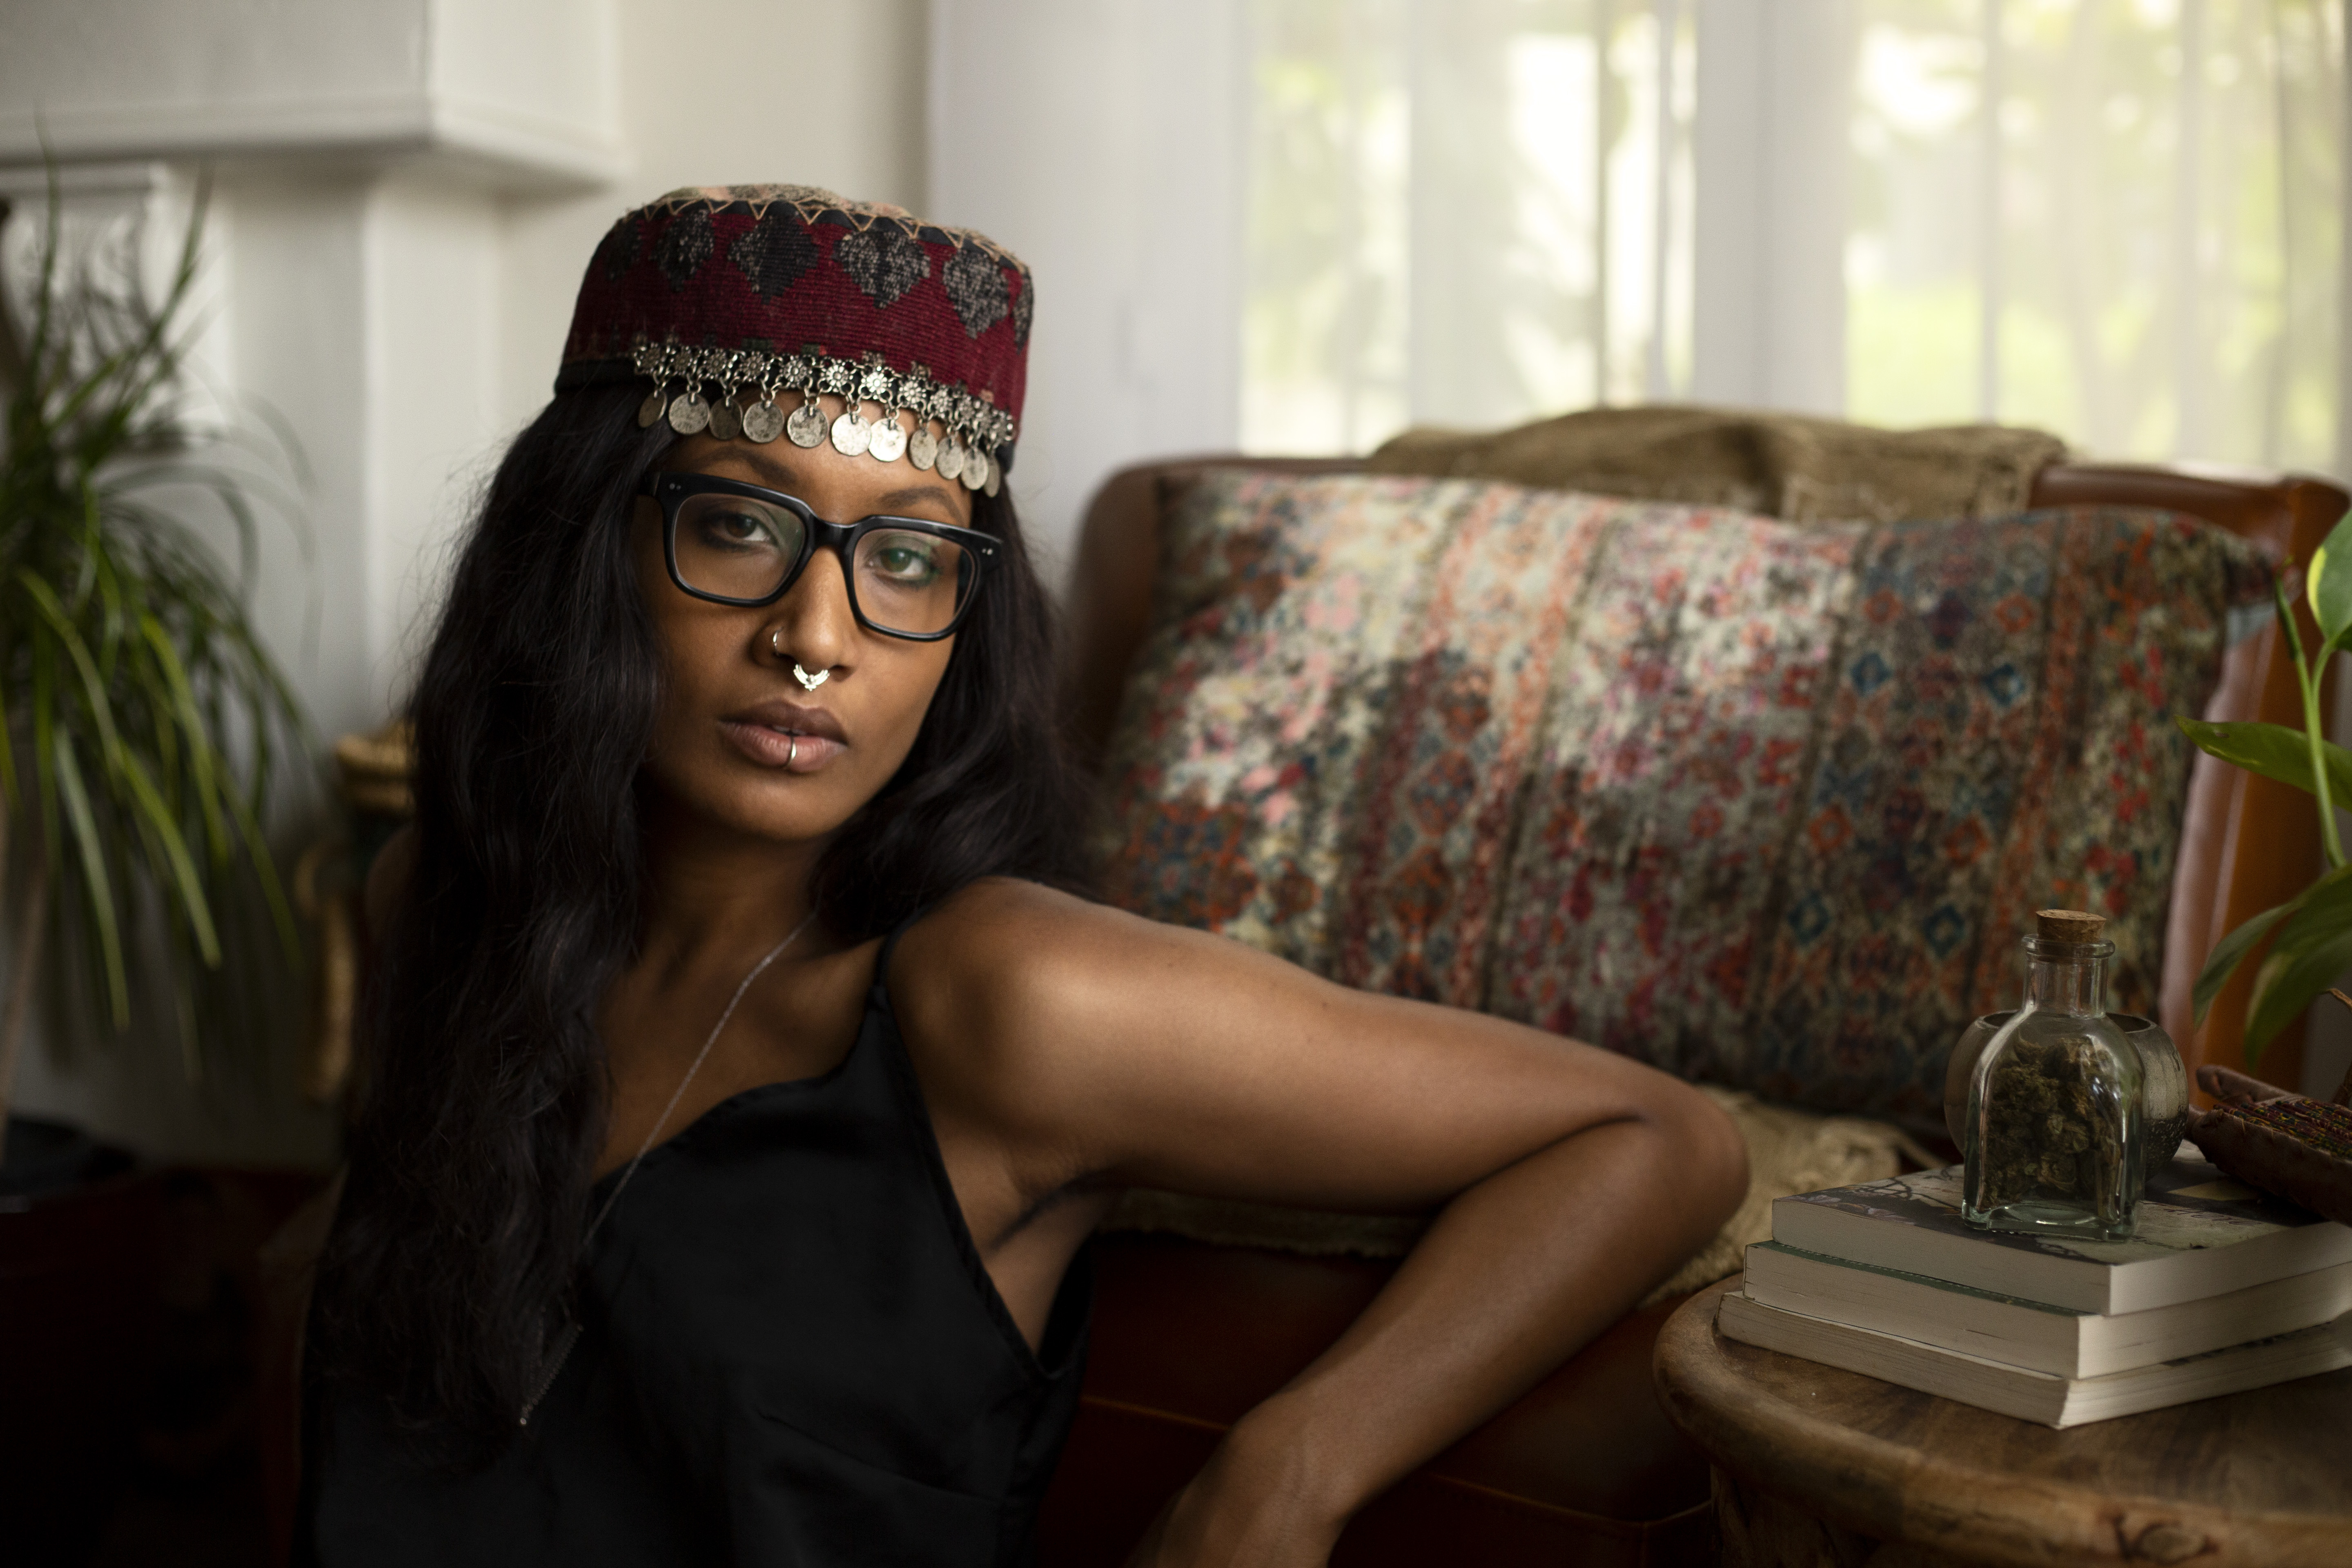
(2118, 219)
(1458, 214)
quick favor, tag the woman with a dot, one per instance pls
(747, 1072)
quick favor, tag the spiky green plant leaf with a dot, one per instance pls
(144, 730)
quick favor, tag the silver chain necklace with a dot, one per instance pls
(562, 1349)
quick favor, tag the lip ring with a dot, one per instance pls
(795, 754)
(786, 716)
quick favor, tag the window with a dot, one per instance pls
(1468, 212)
(2118, 219)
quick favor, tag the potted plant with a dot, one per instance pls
(2310, 934)
(143, 726)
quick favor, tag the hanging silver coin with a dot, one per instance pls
(851, 435)
(995, 476)
(922, 446)
(763, 422)
(889, 441)
(651, 408)
(725, 423)
(950, 458)
(806, 426)
(689, 412)
(975, 469)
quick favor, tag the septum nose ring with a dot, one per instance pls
(808, 682)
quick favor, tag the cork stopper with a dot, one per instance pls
(2067, 925)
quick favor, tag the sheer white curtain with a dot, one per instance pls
(1462, 212)
(2119, 219)
(1300, 225)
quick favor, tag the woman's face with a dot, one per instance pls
(739, 740)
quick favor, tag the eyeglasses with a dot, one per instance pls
(734, 544)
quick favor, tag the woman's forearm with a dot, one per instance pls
(1513, 1277)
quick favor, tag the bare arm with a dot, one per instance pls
(1568, 1180)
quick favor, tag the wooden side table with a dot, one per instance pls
(1825, 1468)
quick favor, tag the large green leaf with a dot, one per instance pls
(2325, 906)
(2328, 586)
(2231, 951)
(2274, 752)
(2292, 975)
(2311, 950)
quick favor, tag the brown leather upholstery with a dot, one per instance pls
(1585, 1468)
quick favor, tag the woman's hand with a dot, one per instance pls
(1256, 1503)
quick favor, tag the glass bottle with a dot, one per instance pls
(2055, 1142)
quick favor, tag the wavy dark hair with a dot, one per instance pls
(484, 1082)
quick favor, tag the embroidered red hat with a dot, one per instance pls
(725, 295)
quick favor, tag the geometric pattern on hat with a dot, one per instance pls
(783, 270)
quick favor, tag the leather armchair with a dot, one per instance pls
(1584, 1469)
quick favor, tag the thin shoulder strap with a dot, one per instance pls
(889, 946)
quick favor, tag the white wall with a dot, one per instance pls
(812, 93)
(1101, 141)
(407, 193)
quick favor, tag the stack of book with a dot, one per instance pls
(2220, 1288)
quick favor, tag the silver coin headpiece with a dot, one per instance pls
(742, 306)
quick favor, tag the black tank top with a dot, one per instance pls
(789, 1354)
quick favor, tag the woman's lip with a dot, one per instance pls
(777, 713)
(794, 751)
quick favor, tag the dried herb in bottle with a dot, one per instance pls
(2054, 1135)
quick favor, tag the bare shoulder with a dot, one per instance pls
(1003, 916)
(1031, 1005)
(1007, 962)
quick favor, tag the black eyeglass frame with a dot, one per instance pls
(669, 489)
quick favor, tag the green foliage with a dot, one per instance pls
(2274, 752)
(2310, 935)
(142, 725)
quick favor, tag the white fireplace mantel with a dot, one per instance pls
(519, 95)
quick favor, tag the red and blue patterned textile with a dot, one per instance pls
(787, 267)
(1761, 802)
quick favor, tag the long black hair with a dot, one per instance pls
(484, 1087)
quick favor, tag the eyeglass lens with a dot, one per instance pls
(740, 548)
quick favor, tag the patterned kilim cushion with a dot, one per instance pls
(1761, 802)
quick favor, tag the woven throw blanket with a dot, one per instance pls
(1780, 465)
(1788, 1151)
(1765, 805)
